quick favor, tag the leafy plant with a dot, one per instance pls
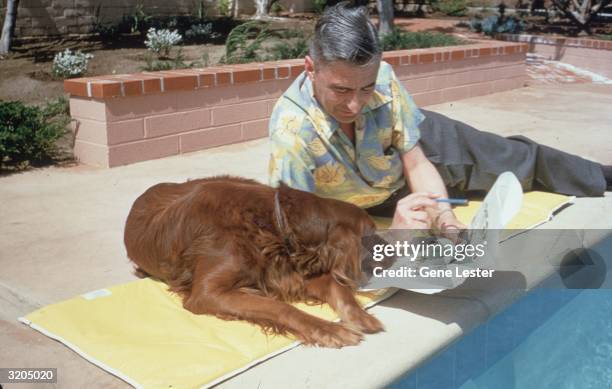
(28, 134)
(138, 19)
(450, 7)
(494, 24)
(288, 50)
(168, 63)
(244, 42)
(106, 31)
(276, 8)
(67, 64)
(224, 7)
(290, 33)
(401, 40)
(201, 31)
(162, 41)
(319, 6)
(201, 11)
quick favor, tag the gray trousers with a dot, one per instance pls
(470, 160)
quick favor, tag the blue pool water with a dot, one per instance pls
(551, 338)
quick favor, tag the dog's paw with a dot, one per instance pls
(335, 335)
(364, 322)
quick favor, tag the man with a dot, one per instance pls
(347, 129)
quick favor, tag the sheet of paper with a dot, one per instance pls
(501, 204)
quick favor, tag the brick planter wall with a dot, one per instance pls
(590, 54)
(124, 119)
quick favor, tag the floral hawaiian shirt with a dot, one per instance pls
(310, 152)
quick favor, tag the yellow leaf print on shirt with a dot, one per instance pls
(379, 162)
(384, 137)
(272, 165)
(317, 147)
(385, 182)
(290, 123)
(329, 175)
(398, 139)
(369, 200)
(317, 117)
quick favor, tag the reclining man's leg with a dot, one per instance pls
(471, 160)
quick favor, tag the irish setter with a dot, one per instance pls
(241, 250)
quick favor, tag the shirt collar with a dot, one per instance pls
(301, 93)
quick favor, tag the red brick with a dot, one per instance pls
(247, 75)
(457, 55)
(296, 69)
(392, 60)
(174, 82)
(132, 87)
(426, 58)
(269, 73)
(224, 77)
(207, 80)
(282, 72)
(104, 89)
(76, 87)
(485, 51)
(151, 85)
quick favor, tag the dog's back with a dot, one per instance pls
(157, 230)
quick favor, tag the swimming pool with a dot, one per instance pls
(551, 338)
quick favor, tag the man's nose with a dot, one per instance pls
(355, 104)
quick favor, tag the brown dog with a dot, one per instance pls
(238, 249)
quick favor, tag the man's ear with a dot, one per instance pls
(309, 67)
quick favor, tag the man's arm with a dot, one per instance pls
(422, 176)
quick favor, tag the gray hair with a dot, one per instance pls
(345, 33)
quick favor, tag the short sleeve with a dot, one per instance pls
(406, 117)
(290, 161)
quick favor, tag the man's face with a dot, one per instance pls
(342, 89)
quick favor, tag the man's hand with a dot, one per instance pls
(446, 220)
(414, 211)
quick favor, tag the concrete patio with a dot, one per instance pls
(61, 235)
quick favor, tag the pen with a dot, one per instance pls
(453, 201)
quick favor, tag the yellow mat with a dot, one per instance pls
(140, 332)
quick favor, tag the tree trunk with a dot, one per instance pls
(8, 29)
(385, 17)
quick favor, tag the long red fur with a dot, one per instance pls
(218, 244)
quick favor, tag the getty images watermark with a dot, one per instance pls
(423, 249)
(413, 259)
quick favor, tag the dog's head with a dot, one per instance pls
(326, 234)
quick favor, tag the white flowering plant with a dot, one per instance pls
(161, 41)
(67, 64)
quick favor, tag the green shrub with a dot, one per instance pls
(224, 7)
(244, 43)
(319, 6)
(402, 40)
(276, 8)
(288, 50)
(450, 7)
(28, 134)
(494, 24)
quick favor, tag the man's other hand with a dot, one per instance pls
(415, 211)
